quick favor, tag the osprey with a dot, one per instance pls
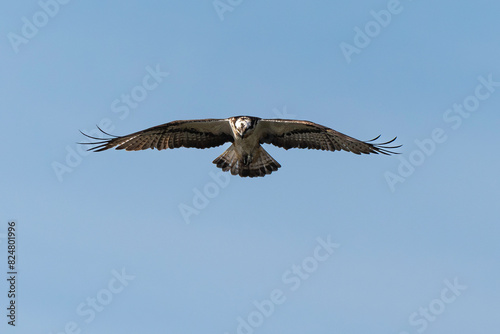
(245, 157)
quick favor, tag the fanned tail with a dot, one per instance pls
(260, 164)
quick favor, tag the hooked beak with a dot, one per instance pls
(242, 132)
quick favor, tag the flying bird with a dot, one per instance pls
(245, 157)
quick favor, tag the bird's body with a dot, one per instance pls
(245, 157)
(246, 140)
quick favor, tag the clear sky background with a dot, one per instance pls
(415, 237)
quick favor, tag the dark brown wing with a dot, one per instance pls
(287, 133)
(202, 133)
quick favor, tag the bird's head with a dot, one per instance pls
(244, 126)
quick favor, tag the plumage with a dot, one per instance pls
(245, 157)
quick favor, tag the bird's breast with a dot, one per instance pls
(247, 144)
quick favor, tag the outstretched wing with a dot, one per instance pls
(288, 134)
(202, 133)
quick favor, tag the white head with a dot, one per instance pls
(244, 125)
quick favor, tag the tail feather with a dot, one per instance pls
(260, 164)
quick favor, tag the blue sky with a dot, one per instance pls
(331, 243)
